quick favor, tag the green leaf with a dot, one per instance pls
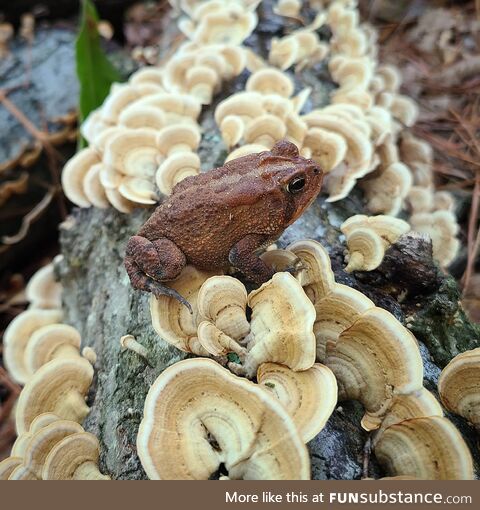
(95, 73)
(233, 357)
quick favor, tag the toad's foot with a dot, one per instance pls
(157, 289)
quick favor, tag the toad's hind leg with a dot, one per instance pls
(148, 263)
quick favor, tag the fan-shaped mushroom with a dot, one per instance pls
(309, 396)
(59, 387)
(459, 386)
(198, 415)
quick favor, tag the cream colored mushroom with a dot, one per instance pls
(20, 445)
(42, 290)
(245, 150)
(420, 404)
(179, 138)
(327, 149)
(442, 228)
(230, 23)
(8, 465)
(232, 129)
(288, 8)
(74, 458)
(281, 327)
(137, 116)
(369, 237)
(374, 360)
(175, 168)
(270, 81)
(385, 194)
(59, 387)
(172, 320)
(459, 386)
(93, 188)
(51, 342)
(265, 130)
(222, 303)
(73, 175)
(427, 448)
(229, 421)
(39, 447)
(309, 396)
(18, 334)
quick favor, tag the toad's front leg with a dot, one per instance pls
(148, 263)
(244, 256)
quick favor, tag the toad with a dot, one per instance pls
(223, 217)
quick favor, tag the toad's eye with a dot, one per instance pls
(296, 185)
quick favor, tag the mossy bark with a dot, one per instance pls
(100, 302)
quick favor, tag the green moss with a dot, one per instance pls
(443, 326)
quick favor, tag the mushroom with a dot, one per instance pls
(374, 360)
(369, 237)
(42, 290)
(245, 150)
(18, 334)
(270, 81)
(175, 168)
(459, 386)
(198, 416)
(178, 138)
(39, 447)
(328, 149)
(281, 327)
(420, 404)
(21, 443)
(8, 466)
(73, 175)
(442, 228)
(93, 188)
(309, 396)
(222, 303)
(74, 458)
(385, 194)
(51, 342)
(288, 8)
(265, 130)
(172, 320)
(59, 387)
(428, 448)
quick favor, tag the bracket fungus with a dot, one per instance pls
(42, 290)
(51, 342)
(428, 448)
(281, 326)
(459, 386)
(172, 320)
(199, 416)
(74, 458)
(18, 334)
(369, 237)
(374, 360)
(309, 396)
(59, 387)
(222, 303)
(40, 446)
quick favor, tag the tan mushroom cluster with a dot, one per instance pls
(262, 115)
(230, 421)
(459, 386)
(368, 237)
(300, 48)
(218, 21)
(270, 330)
(280, 328)
(53, 448)
(144, 137)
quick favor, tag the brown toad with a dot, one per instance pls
(223, 217)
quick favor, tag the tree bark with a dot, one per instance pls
(99, 301)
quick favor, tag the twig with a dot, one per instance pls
(29, 219)
(52, 155)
